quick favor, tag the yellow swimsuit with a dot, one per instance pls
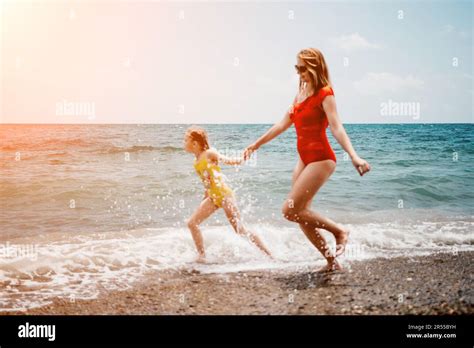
(212, 179)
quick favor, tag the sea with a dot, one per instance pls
(91, 208)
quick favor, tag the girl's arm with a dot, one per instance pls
(270, 134)
(215, 157)
(230, 160)
(337, 129)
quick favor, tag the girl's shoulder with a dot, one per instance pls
(211, 154)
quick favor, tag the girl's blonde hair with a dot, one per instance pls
(317, 67)
(200, 135)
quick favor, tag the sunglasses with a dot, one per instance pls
(301, 68)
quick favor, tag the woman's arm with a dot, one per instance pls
(270, 134)
(337, 129)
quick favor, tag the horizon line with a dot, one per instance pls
(227, 123)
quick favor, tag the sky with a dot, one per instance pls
(202, 62)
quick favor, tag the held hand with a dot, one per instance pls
(238, 161)
(361, 165)
(248, 151)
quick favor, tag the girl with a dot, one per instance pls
(313, 109)
(217, 193)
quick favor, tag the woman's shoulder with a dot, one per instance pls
(326, 90)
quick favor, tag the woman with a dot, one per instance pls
(314, 107)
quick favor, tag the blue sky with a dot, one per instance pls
(231, 62)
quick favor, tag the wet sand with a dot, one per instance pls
(435, 284)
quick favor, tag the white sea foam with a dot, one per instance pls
(82, 265)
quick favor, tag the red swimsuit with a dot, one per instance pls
(310, 123)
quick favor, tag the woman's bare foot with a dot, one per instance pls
(201, 259)
(341, 241)
(331, 267)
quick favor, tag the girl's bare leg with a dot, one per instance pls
(233, 215)
(205, 209)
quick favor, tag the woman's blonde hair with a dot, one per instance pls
(200, 135)
(317, 67)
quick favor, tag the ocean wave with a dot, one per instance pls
(404, 163)
(56, 162)
(9, 147)
(138, 148)
(413, 181)
(48, 144)
(425, 191)
(91, 144)
(42, 191)
(64, 265)
(58, 154)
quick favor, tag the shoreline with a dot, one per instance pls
(434, 284)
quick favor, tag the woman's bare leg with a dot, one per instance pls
(311, 231)
(205, 209)
(296, 208)
(233, 215)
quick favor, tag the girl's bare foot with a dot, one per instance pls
(331, 267)
(341, 241)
